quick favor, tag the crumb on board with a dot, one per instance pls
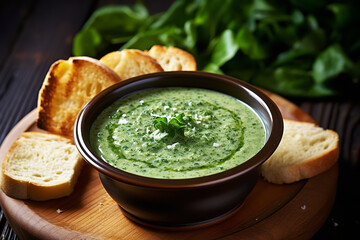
(59, 210)
(303, 207)
(335, 224)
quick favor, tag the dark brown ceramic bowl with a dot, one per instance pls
(180, 203)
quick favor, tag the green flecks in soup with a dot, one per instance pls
(177, 133)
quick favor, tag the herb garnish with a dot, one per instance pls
(174, 127)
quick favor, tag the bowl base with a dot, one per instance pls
(183, 226)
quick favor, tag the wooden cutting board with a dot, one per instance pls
(289, 211)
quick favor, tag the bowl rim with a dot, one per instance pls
(104, 168)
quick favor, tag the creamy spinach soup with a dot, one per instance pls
(177, 133)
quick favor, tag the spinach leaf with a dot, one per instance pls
(177, 14)
(293, 82)
(249, 44)
(299, 48)
(330, 63)
(107, 25)
(145, 40)
(88, 42)
(224, 49)
(310, 44)
(342, 14)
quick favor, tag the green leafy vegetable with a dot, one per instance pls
(175, 127)
(330, 63)
(299, 48)
(109, 25)
(249, 44)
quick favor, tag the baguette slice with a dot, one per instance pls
(304, 151)
(130, 63)
(40, 166)
(172, 58)
(68, 86)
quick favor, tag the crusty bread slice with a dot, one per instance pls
(305, 150)
(68, 86)
(40, 166)
(172, 58)
(130, 63)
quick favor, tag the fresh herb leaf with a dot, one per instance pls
(342, 14)
(145, 40)
(161, 124)
(300, 48)
(249, 45)
(225, 49)
(174, 127)
(176, 14)
(331, 63)
(292, 81)
(107, 26)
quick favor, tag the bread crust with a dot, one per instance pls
(130, 63)
(44, 99)
(10, 186)
(308, 169)
(173, 58)
(27, 189)
(280, 172)
(62, 81)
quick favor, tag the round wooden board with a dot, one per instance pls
(289, 211)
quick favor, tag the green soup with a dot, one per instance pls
(177, 133)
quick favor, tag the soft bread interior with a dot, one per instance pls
(40, 166)
(304, 151)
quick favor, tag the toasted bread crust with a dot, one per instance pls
(172, 58)
(65, 91)
(45, 94)
(130, 63)
(308, 169)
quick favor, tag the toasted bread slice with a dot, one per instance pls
(304, 151)
(68, 86)
(172, 58)
(130, 63)
(40, 166)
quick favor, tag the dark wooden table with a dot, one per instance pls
(34, 34)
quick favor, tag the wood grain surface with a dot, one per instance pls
(288, 211)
